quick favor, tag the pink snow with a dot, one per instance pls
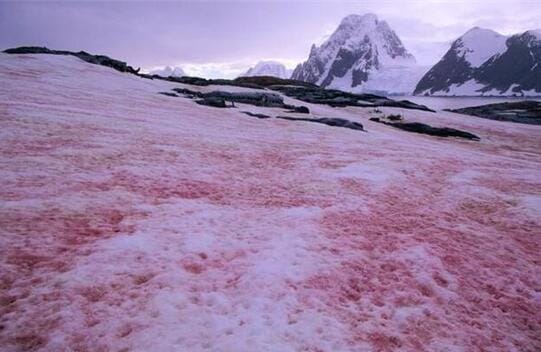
(133, 221)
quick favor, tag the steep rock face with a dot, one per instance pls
(518, 69)
(483, 62)
(268, 68)
(360, 47)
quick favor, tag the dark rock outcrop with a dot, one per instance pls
(252, 98)
(394, 117)
(267, 81)
(259, 116)
(518, 68)
(298, 109)
(330, 121)
(93, 59)
(528, 112)
(266, 99)
(169, 94)
(422, 128)
(214, 102)
(188, 93)
(338, 98)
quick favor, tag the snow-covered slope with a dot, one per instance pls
(268, 68)
(169, 71)
(360, 48)
(483, 62)
(479, 44)
(134, 221)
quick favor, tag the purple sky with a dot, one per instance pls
(223, 38)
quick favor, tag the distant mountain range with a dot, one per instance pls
(483, 62)
(365, 55)
(268, 68)
(169, 71)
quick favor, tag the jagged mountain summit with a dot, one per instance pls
(169, 71)
(363, 55)
(484, 62)
(268, 68)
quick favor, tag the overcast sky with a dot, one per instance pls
(222, 38)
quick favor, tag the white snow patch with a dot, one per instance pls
(479, 45)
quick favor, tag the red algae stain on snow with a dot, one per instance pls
(43, 244)
(219, 192)
(381, 282)
(165, 187)
(418, 266)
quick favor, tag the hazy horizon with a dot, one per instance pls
(225, 38)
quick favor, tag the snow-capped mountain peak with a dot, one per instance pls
(478, 45)
(168, 71)
(268, 68)
(483, 62)
(360, 47)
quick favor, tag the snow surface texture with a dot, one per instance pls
(362, 46)
(479, 44)
(133, 221)
(168, 71)
(268, 68)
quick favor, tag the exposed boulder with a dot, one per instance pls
(259, 116)
(215, 102)
(298, 109)
(330, 121)
(169, 94)
(393, 117)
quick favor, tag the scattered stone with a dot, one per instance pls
(375, 119)
(215, 102)
(259, 116)
(298, 109)
(169, 94)
(394, 117)
(330, 121)
(528, 112)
